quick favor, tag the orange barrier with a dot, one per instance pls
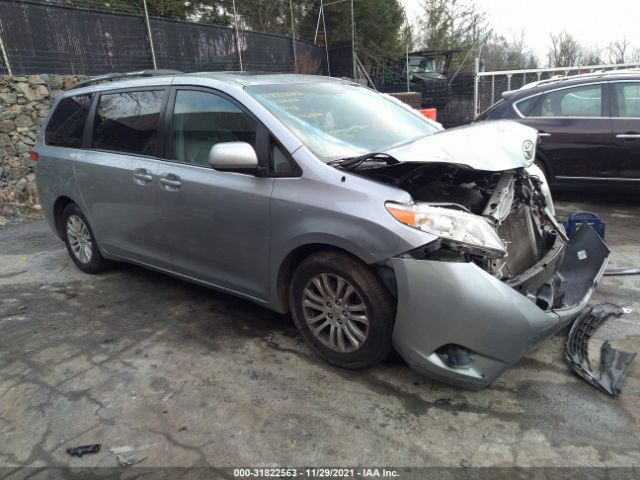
(430, 113)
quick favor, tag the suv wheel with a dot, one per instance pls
(343, 309)
(80, 242)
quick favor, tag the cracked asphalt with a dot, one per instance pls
(191, 377)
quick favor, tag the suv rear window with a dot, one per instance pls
(128, 122)
(66, 126)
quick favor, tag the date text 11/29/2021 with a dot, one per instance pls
(320, 472)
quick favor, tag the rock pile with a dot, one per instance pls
(24, 104)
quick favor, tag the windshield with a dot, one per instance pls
(338, 121)
(422, 65)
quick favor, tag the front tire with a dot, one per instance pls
(343, 309)
(80, 241)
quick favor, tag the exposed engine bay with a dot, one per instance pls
(512, 201)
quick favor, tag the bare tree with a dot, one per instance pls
(591, 56)
(451, 24)
(565, 50)
(519, 54)
(498, 53)
(619, 51)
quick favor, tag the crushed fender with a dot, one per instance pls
(614, 363)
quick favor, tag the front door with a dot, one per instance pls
(625, 123)
(214, 225)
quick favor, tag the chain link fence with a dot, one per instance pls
(489, 86)
(91, 37)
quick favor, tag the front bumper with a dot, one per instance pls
(446, 303)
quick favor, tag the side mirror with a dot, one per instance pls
(233, 156)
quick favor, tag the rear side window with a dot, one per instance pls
(66, 126)
(585, 101)
(128, 122)
(627, 99)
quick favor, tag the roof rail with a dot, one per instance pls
(564, 78)
(118, 76)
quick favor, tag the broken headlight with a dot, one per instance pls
(454, 227)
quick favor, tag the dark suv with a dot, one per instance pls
(589, 125)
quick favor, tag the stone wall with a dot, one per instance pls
(24, 104)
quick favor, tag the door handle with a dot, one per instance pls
(628, 136)
(544, 134)
(142, 174)
(172, 181)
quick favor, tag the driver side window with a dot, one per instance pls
(201, 120)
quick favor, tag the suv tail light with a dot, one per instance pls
(34, 155)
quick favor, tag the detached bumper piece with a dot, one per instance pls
(614, 364)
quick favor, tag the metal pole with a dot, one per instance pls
(407, 68)
(315, 38)
(153, 51)
(353, 40)
(476, 64)
(235, 22)
(493, 89)
(293, 39)
(5, 57)
(326, 42)
(366, 75)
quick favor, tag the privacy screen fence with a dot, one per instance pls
(92, 37)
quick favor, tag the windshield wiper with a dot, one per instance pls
(351, 163)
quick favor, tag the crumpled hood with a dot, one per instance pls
(492, 146)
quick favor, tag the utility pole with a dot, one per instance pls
(326, 42)
(293, 39)
(353, 41)
(408, 74)
(235, 22)
(153, 51)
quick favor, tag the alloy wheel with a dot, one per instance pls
(335, 313)
(79, 238)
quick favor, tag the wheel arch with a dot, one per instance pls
(543, 162)
(58, 208)
(290, 262)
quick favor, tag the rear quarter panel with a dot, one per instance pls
(55, 178)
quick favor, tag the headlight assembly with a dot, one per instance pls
(456, 228)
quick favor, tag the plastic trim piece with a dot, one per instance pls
(614, 363)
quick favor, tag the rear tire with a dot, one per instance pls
(343, 309)
(80, 241)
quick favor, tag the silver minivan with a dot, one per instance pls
(320, 197)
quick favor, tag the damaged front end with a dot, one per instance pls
(501, 274)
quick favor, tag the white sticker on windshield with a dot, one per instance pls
(582, 254)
